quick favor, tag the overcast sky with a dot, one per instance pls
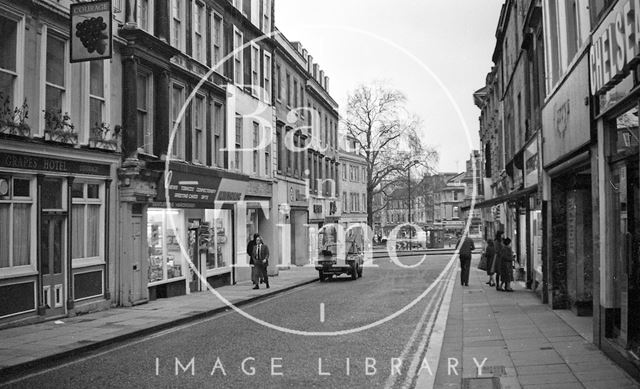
(360, 41)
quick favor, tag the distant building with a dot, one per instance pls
(353, 184)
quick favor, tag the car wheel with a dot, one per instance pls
(354, 272)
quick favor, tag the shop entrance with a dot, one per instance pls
(194, 254)
(52, 252)
(626, 272)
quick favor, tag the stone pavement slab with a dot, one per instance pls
(526, 344)
(46, 343)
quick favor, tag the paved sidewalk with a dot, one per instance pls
(527, 345)
(45, 343)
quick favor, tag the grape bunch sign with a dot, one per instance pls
(91, 37)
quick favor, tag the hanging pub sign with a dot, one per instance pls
(90, 30)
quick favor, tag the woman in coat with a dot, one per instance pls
(507, 265)
(490, 253)
(496, 265)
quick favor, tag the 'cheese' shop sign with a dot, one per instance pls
(615, 46)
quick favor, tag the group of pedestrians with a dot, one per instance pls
(259, 260)
(499, 262)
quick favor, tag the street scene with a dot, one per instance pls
(336, 194)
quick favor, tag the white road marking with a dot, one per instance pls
(431, 344)
(392, 378)
(321, 312)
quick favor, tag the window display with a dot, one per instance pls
(218, 240)
(165, 230)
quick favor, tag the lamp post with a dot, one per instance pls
(412, 163)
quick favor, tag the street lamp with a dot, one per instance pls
(412, 163)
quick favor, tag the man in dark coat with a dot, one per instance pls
(261, 261)
(465, 247)
(250, 251)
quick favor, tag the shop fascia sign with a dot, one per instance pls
(615, 46)
(189, 188)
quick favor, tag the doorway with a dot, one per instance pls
(194, 239)
(52, 254)
(626, 270)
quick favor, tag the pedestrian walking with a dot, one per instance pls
(496, 266)
(490, 253)
(250, 252)
(506, 276)
(465, 247)
(261, 261)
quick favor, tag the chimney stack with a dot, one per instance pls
(326, 83)
(316, 68)
(321, 78)
(310, 64)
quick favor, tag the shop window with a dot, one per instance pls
(165, 232)
(219, 239)
(625, 140)
(17, 217)
(87, 221)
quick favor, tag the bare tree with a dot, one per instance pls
(387, 135)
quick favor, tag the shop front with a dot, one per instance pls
(619, 230)
(260, 218)
(615, 95)
(191, 230)
(567, 202)
(292, 226)
(56, 227)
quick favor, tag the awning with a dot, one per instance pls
(504, 198)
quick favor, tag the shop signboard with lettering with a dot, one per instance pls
(260, 189)
(188, 190)
(231, 191)
(566, 126)
(615, 46)
(46, 164)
